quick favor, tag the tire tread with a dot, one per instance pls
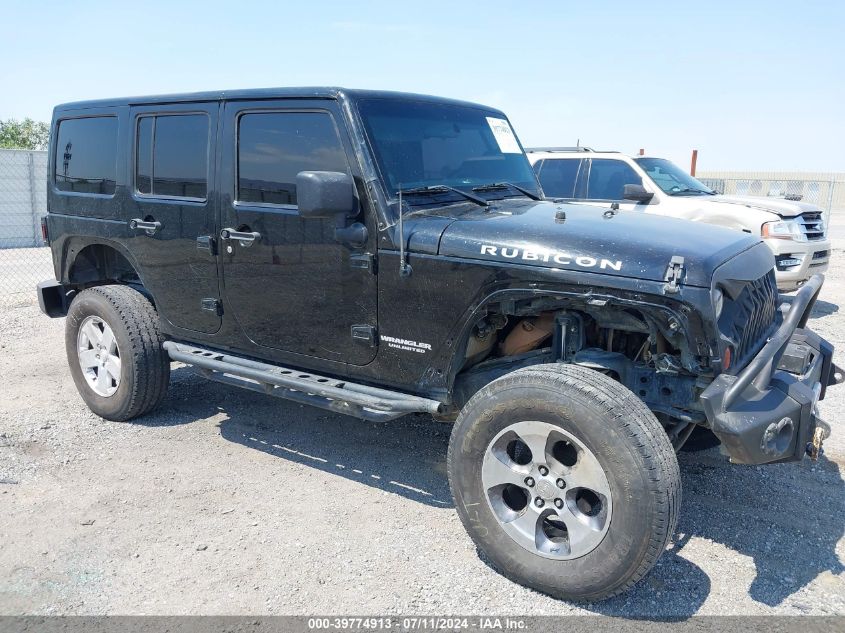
(151, 363)
(628, 413)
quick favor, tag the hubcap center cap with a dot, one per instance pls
(546, 489)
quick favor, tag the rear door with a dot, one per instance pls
(172, 177)
(294, 288)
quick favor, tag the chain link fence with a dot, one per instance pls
(24, 259)
(826, 190)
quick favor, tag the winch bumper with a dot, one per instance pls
(767, 412)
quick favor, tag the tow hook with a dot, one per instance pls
(814, 446)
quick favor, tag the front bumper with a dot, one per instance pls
(767, 412)
(813, 257)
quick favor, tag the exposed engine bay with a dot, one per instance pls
(643, 348)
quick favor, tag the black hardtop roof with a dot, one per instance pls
(262, 93)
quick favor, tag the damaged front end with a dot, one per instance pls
(767, 411)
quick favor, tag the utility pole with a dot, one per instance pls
(694, 161)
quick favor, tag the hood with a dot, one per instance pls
(779, 206)
(626, 244)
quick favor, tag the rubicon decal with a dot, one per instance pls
(550, 257)
(405, 344)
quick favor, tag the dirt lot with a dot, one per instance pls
(227, 502)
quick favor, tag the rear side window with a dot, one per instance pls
(273, 147)
(608, 178)
(86, 155)
(558, 176)
(172, 156)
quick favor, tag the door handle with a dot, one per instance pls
(244, 237)
(142, 225)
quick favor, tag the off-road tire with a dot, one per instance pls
(632, 448)
(145, 366)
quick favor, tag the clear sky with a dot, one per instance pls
(755, 84)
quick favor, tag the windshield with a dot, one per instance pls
(420, 144)
(672, 179)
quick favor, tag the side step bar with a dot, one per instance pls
(369, 403)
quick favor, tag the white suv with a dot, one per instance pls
(794, 230)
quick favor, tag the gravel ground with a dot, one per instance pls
(227, 502)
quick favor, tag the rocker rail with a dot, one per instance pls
(369, 403)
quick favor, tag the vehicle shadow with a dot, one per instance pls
(190, 397)
(674, 581)
(406, 456)
(779, 515)
(778, 518)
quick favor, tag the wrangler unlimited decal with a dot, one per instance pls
(557, 257)
(405, 344)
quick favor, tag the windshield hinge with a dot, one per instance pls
(673, 275)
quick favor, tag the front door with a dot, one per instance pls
(606, 180)
(172, 210)
(291, 286)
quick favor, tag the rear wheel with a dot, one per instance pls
(565, 480)
(114, 352)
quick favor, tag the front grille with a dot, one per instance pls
(751, 318)
(812, 225)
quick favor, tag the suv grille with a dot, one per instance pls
(751, 318)
(812, 224)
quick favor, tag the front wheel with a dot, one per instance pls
(565, 480)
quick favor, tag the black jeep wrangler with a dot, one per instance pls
(378, 254)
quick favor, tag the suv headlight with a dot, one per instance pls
(783, 230)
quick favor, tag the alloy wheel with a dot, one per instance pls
(548, 491)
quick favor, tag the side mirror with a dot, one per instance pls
(637, 193)
(324, 194)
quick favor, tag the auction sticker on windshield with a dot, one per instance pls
(504, 135)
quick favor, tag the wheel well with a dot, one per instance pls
(516, 327)
(648, 347)
(99, 263)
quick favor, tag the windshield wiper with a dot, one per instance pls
(690, 190)
(507, 185)
(434, 189)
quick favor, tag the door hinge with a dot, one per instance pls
(206, 243)
(212, 305)
(364, 261)
(364, 334)
(673, 275)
